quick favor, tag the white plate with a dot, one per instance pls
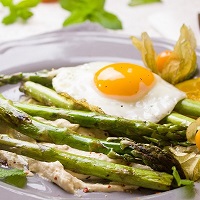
(68, 47)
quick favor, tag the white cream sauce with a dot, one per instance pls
(56, 173)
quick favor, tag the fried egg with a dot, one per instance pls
(119, 89)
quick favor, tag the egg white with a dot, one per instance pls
(153, 106)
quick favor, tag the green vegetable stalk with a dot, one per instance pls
(133, 129)
(179, 119)
(150, 155)
(43, 77)
(49, 97)
(188, 107)
(80, 164)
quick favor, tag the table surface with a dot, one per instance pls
(161, 20)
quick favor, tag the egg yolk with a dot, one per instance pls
(123, 79)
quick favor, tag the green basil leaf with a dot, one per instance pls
(72, 5)
(96, 5)
(140, 2)
(7, 2)
(14, 177)
(176, 176)
(179, 181)
(106, 19)
(9, 19)
(24, 14)
(75, 18)
(27, 4)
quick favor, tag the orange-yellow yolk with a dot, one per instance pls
(123, 79)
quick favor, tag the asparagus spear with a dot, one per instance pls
(146, 154)
(188, 107)
(133, 129)
(111, 171)
(49, 97)
(42, 77)
(179, 119)
(46, 95)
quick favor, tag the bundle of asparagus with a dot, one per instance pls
(150, 155)
(114, 172)
(130, 144)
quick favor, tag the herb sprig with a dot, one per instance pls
(90, 10)
(80, 11)
(19, 10)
